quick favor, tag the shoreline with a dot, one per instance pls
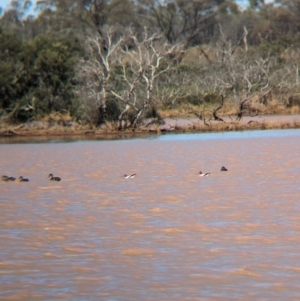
(171, 125)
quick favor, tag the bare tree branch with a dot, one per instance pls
(216, 117)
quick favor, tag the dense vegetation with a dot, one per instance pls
(121, 61)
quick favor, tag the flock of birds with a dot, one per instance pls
(21, 179)
(201, 174)
(57, 179)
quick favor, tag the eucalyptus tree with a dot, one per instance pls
(191, 22)
(10, 47)
(89, 15)
(255, 4)
(287, 16)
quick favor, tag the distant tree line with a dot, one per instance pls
(122, 60)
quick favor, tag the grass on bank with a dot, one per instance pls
(230, 108)
(109, 128)
(64, 124)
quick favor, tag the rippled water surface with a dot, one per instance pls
(166, 234)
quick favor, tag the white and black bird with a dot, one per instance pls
(201, 174)
(129, 176)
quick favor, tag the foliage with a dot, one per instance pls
(199, 49)
(10, 46)
(37, 74)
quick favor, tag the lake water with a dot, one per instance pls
(166, 234)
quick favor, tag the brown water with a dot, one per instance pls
(167, 234)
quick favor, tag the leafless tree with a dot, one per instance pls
(126, 73)
(145, 67)
(243, 108)
(216, 117)
(95, 72)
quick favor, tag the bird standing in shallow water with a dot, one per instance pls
(129, 176)
(21, 179)
(201, 174)
(51, 178)
(224, 168)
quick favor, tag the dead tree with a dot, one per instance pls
(145, 67)
(95, 73)
(243, 109)
(129, 97)
(197, 114)
(168, 96)
(216, 117)
(150, 61)
(228, 49)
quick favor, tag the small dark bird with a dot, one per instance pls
(224, 168)
(21, 179)
(201, 174)
(51, 178)
(129, 176)
(4, 178)
(8, 179)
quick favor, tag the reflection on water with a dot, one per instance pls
(167, 234)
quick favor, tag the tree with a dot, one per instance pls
(36, 77)
(125, 71)
(89, 15)
(10, 47)
(189, 22)
(255, 4)
(95, 72)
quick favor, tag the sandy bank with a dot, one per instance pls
(43, 129)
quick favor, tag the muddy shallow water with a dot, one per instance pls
(166, 234)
